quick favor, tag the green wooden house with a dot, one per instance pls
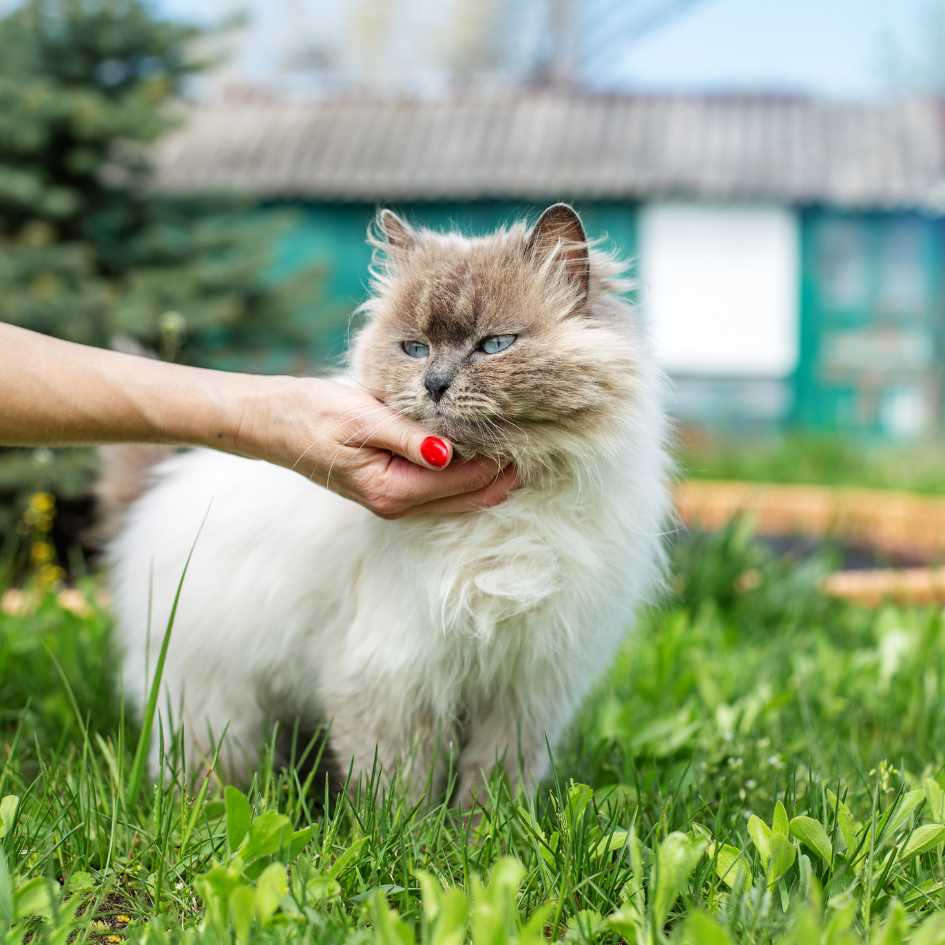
(789, 251)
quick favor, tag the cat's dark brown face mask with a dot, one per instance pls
(492, 341)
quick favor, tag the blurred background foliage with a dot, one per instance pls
(815, 459)
(88, 252)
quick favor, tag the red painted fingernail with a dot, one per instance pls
(435, 451)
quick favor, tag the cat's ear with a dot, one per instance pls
(397, 233)
(560, 228)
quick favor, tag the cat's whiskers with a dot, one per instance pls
(486, 418)
(350, 417)
(356, 417)
(501, 449)
(347, 419)
(302, 455)
(396, 415)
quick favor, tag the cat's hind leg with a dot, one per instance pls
(367, 742)
(513, 731)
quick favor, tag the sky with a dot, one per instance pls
(832, 47)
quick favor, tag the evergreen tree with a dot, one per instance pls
(88, 251)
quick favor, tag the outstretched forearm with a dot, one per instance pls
(57, 393)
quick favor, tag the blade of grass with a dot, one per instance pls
(136, 775)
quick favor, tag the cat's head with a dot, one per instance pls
(514, 345)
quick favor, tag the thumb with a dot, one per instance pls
(410, 440)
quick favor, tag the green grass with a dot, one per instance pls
(762, 765)
(824, 460)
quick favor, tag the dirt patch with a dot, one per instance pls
(897, 524)
(890, 543)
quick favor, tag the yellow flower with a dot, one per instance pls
(123, 919)
(50, 575)
(42, 552)
(42, 502)
(40, 511)
(113, 938)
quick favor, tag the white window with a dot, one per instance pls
(719, 287)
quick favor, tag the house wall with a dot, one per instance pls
(814, 318)
(719, 286)
(872, 319)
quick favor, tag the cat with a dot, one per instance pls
(479, 634)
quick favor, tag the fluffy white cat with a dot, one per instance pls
(481, 632)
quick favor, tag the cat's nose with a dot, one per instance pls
(436, 385)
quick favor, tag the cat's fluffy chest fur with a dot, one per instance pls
(476, 635)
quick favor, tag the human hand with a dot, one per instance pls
(344, 439)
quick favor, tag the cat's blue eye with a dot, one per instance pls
(416, 349)
(496, 343)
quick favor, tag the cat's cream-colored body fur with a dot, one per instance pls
(480, 633)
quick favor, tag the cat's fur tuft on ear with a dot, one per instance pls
(560, 226)
(396, 231)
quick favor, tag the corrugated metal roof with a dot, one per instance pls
(542, 144)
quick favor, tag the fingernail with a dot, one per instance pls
(435, 451)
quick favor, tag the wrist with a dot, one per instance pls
(207, 408)
(234, 413)
(254, 416)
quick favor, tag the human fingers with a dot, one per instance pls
(491, 495)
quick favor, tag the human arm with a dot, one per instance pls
(57, 393)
